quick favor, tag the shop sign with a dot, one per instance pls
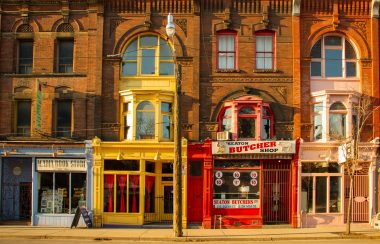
(236, 203)
(253, 174)
(218, 182)
(236, 174)
(218, 174)
(236, 182)
(253, 182)
(61, 164)
(245, 147)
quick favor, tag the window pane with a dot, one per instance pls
(321, 194)
(260, 44)
(335, 202)
(63, 124)
(316, 50)
(61, 192)
(166, 68)
(148, 41)
(145, 106)
(121, 193)
(265, 130)
(149, 194)
(318, 126)
(230, 61)
(145, 125)
(307, 194)
(148, 61)
(66, 52)
(337, 126)
(260, 61)
(134, 193)
(131, 52)
(226, 124)
(222, 61)
(165, 51)
(108, 193)
(349, 52)
(316, 69)
(337, 106)
(221, 164)
(129, 68)
(78, 190)
(166, 126)
(333, 66)
(45, 193)
(247, 127)
(333, 41)
(321, 167)
(350, 69)
(25, 57)
(246, 187)
(166, 107)
(122, 165)
(150, 167)
(246, 110)
(167, 168)
(23, 118)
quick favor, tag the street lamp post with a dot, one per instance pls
(177, 211)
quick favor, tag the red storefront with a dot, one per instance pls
(242, 184)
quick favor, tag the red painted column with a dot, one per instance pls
(295, 186)
(207, 185)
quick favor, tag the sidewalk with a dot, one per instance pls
(28, 232)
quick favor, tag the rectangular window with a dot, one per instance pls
(61, 193)
(247, 127)
(148, 61)
(166, 110)
(65, 56)
(317, 120)
(25, 57)
(63, 118)
(121, 193)
(226, 51)
(264, 51)
(23, 118)
(321, 194)
(333, 63)
(127, 113)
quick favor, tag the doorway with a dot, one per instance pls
(166, 203)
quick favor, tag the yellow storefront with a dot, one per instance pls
(133, 182)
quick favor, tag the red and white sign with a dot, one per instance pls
(236, 174)
(218, 174)
(253, 182)
(218, 182)
(236, 182)
(236, 203)
(253, 174)
(245, 147)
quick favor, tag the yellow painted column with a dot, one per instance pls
(184, 183)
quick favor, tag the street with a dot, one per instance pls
(55, 241)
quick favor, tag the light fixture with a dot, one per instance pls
(119, 156)
(157, 156)
(170, 27)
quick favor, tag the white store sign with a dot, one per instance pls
(245, 147)
(61, 164)
(236, 203)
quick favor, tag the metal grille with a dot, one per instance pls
(276, 192)
(360, 204)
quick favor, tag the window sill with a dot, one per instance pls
(227, 71)
(266, 71)
(79, 74)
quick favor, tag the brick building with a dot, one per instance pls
(50, 86)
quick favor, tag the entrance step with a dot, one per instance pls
(277, 226)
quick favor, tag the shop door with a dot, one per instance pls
(25, 200)
(195, 193)
(276, 192)
(166, 203)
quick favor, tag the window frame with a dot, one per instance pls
(152, 135)
(338, 112)
(139, 56)
(69, 67)
(171, 118)
(344, 61)
(24, 68)
(27, 128)
(57, 131)
(261, 34)
(227, 33)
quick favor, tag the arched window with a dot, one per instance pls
(148, 55)
(337, 121)
(145, 121)
(333, 56)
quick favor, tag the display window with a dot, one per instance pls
(61, 192)
(321, 188)
(236, 184)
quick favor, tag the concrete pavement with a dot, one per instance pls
(139, 234)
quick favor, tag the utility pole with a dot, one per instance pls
(177, 188)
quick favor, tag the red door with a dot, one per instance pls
(195, 192)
